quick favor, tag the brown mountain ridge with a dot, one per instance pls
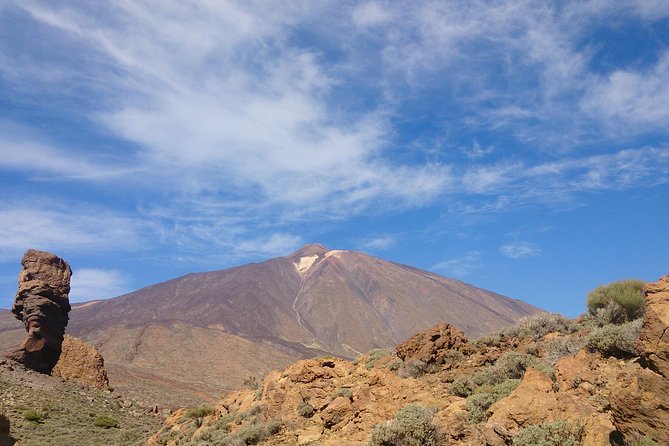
(194, 337)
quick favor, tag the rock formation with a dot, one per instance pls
(42, 304)
(638, 398)
(654, 336)
(433, 345)
(80, 361)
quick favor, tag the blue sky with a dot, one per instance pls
(521, 146)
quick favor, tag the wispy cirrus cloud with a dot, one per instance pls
(461, 266)
(520, 250)
(244, 116)
(95, 283)
(24, 151)
(385, 241)
(42, 225)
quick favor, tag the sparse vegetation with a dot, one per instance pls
(413, 368)
(615, 340)
(485, 396)
(559, 433)
(395, 364)
(105, 422)
(563, 346)
(251, 382)
(256, 432)
(412, 426)
(305, 410)
(511, 365)
(32, 415)
(538, 326)
(374, 355)
(200, 412)
(42, 410)
(493, 340)
(618, 302)
(643, 441)
(346, 392)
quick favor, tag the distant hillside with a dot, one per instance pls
(196, 336)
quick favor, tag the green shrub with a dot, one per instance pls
(105, 422)
(618, 302)
(200, 412)
(511, 365)
(305, 410)
(643, 441)
(255, 433)
(374, 355)
(395, 364)
(485, 396)
(559, 433)
(493, 340)
(346, 392)
(413, 368)
(32, 415)
(462, 386)
(412, 426)
(538, 326)
(564, 346)
(615, 340)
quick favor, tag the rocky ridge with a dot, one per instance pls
(545, 374)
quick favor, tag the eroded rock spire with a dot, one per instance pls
(42, 304)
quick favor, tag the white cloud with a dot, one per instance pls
(460, 266)
(379, 242)
(93, 283)
(632, 100)
(23, 151)
(245, 124)
(477, 151)
(370, 14)
(226, 105)
(519, 250)
(46, 226)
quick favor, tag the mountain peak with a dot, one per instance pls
(310, 249)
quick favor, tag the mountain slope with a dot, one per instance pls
(196, 336)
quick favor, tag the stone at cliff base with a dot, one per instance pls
(80, 361)
(42, 304)
(432, 345)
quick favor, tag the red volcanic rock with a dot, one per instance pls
(432, 345)
(42, 304)
(654, 336)
(81, 362)
(638, 398)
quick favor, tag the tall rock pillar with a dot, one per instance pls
(42, 304)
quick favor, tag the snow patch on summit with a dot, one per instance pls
(303, 265)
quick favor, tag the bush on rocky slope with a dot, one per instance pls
(617, 302)
(615, 340)
(412, 426)
(559, 433)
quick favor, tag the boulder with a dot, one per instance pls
(81, 361)
(638, 397)
(433, 345)
(42, 304)
(654, 336)
(639, 404)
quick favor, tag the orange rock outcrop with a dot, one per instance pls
(80, 361)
